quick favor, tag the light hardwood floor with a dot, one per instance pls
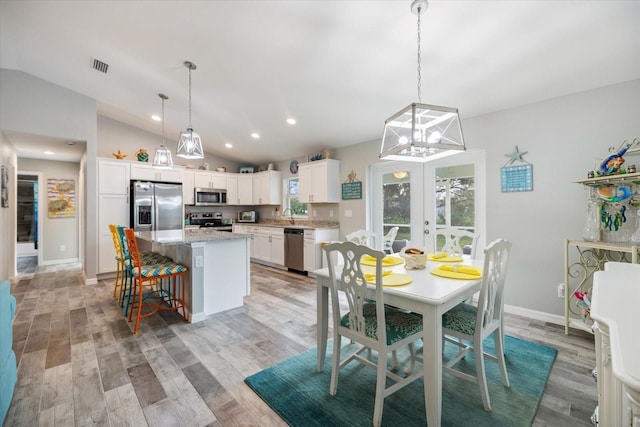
(79, 364)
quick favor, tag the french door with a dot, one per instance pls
(418, 198)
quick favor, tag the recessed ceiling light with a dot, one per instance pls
(71, 143)
(255, 135)
(291, 121)
(228, 145)
(156, 118)
(50, 153)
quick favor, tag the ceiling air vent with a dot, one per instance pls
(103, 67)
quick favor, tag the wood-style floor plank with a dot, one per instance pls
(79, 363)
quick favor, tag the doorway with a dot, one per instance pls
(28, 224)
(421, 197)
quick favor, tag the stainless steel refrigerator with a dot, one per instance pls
(156, 206)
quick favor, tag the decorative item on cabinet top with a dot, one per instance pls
(119, 155)
(142, 155)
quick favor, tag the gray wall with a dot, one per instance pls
(114, 135)
(32, 105)
(8, 215)
(565, 137)
(57, 232)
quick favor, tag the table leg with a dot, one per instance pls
(322, 320)
(432, 353)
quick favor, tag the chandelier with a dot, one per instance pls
(190, 144)
(421, 132)
(162, 156)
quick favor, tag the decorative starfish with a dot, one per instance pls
(516, 155)
(119, 155)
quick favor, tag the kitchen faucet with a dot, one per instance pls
(284, 213)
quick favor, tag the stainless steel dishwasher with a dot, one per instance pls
(294, 249)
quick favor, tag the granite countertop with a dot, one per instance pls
(310, 225)
(187, 236)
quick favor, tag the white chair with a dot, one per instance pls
(372, 325)
(364, 237)
(452, 241)
(475, 323)
(387, 240)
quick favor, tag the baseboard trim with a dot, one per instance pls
(533, 314)
(93, 281)
(61, 261)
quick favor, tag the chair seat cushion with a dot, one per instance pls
(461, 318)
(157, 270)
(400, 323)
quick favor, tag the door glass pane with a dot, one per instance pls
(396, 211)
(441, 203)
(462, 202)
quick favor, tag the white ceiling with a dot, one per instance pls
(339, 67)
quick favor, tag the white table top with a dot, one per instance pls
(425, 287)
(187, 236)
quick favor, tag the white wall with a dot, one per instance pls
(32, 105)
(56, 232)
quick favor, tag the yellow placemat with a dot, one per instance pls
(456, 274)
(388, 261)
(445, 258)
(393, 279)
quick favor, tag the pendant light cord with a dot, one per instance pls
(190, 127)
(162, 120)
(419, 67)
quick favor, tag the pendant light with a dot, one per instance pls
(162, 156)
(190, 144)
(421, 132)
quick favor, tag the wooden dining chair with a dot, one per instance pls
(170, 297)
(120, 269)
(372, 325)
(474, 323)
(364, 237)
(456, 241)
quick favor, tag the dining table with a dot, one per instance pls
(427, 294)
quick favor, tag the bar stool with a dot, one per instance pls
(119, 282)
(147, 257)
(170, 298)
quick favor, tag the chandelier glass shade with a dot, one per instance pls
(421, 132)
(189, 143)
(162, 156)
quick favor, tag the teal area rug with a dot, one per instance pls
(300, 395)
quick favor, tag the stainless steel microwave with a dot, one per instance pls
(247, 216)
(210, 197)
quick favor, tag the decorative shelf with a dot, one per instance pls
(604, 181)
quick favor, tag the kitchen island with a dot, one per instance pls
(218, 276)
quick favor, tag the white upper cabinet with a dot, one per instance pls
(319, 181)
(239, 189)
(206, 179)
(267, 188)
(147, 172)
(232, 189)
(113, 176)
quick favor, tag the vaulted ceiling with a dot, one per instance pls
(340, 68)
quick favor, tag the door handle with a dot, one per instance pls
(426, 224)
(426, 231)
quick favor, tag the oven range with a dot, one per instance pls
(210, 220)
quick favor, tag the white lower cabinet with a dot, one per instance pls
(313, 239)
(114, 209)
(267, 243)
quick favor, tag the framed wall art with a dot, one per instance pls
(61, 197)
(4, 188)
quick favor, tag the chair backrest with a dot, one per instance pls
(132, 245)
(387, 239)
(116, 241)
(455, 240)
(349, 279)
(126, 256)
(364, 237)
(491, 301)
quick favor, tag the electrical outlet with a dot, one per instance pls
(62, 248)
(560, 290)
(199, 261)
(331, 213)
